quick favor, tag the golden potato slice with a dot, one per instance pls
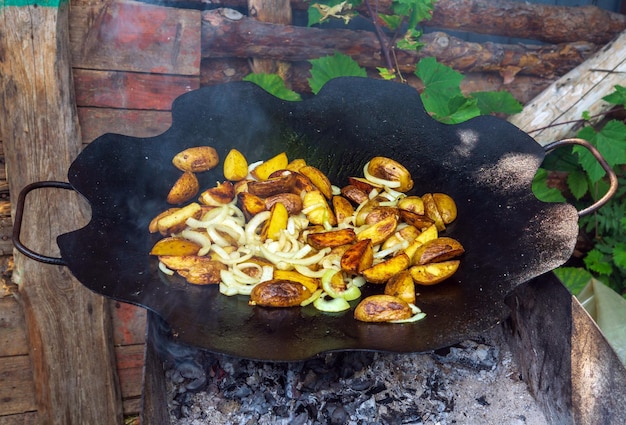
(196, 159)
(303, 184)
(438, 250)
(204, 274)
(446, 207)
(414, 204)
(272, 186)
(276, 223)
(317, 209)
(380, 231)
(388, 169)
(319, 179)
(235, 166)
(432, 212)
(311, 283)
(263, 170)
(379, 213)
(153, 226)
(401, 285)
(176, 221)
(279, 293)
(428, 234)
(185, 188)
(175, 246)
(250, 204)
(383, 271)
(354, 194)
(417, 220)
(382, 308)
(331, 238)
(291, 201)
(363, 184)
(363, 210)
(221, 194)
(433, 273)
(407, 233)
(296, 164)
(184, 262)
(343, 208)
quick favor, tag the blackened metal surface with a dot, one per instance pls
(485, 164)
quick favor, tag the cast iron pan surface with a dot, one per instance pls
(485, 164)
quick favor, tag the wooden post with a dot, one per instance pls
(277, 12)
(68, 325)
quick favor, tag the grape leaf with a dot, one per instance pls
(460, 108)
(273, 84)
(610, 141)
(619, 255)
(497, 101)
(328, 67)
(441, 83)
(542, 191)
(596, 261)
(618, 97)
(577, 184)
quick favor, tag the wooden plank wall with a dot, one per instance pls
(130, 60)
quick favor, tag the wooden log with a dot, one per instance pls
(68, 325)
(555, 113)
(517, 19)
(277, 12)
(225, 34)
(132, 36)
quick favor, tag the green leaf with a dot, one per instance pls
(542, 191)
(273, 84)
(386, 74)
(597, 262)
(441, 83)
(577, 184)
(410, 40)
(618, 97)
(619, 255)
(497, 101)
(391, 21)
(610, 142)
(574, 278)
(460, 109)
(328, 67)
(416, 10)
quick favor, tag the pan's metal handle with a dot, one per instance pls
(605, 165)
(19, 214)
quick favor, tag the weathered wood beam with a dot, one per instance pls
(228, 34)
(69, 327)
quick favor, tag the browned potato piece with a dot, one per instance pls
(291, 201)
(382, 308)
(176, 220)
(185, 188)
(354, 194)
(388, 169)
(319, 179)
(303, 184)
(433, 273)
(204, 274)
(380, 231)
(250, 204)
(153, 226)
(296, 164)
(408, 233)
(379, 213)
(414, 204)
(235, 166)
(184, 262)
(320, 210)
(310, 282)
(331, 238)
(272, 186)
(196, 159)
(358, 257)
(276, 222)
(432, 212)
(343, 208)
(219, 195)
(438, 250)
(417, 220)
(279, 293)
(263, 170)
(401, 285)
(364, 210)
(363, 184)
(382, 272)
(175, 246)
(446, 207)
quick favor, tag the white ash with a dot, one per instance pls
(473, 382)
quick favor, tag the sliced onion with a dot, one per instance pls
(312, 208)
(392, 249)
(305, 271)
(334, 305)
(312, 298)
(254, 223)
(165, 269)
(307, 261)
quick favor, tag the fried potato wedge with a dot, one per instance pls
(291, 201)
(363, 184)
(279, 293)
(343, 208)
(380, 231)
(185, 188)
(272, 186)
(296, 164)
(417, 220)
(388, 169)
(382, 308)
(250, 204)
(319, 179)
(263, 170)
(358, 257)
(353, 193)
(383, 271)
(428, 234)
(379, 213)
(219, 195)
(407, 233)
(433, 273)
(153, 226)
(432, 211)
(184, 262)
(331, 238)
(175, 221)
(438, 250)
(311, 283)
(317, 209)
(205, 274)
(175, 246)
(235, 166)
(196, 159)
(414, 204)
(276, 223)
(401, 285)
(446, 207)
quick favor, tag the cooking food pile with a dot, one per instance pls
(280, 232)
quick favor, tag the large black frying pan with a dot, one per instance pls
(485, 164)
